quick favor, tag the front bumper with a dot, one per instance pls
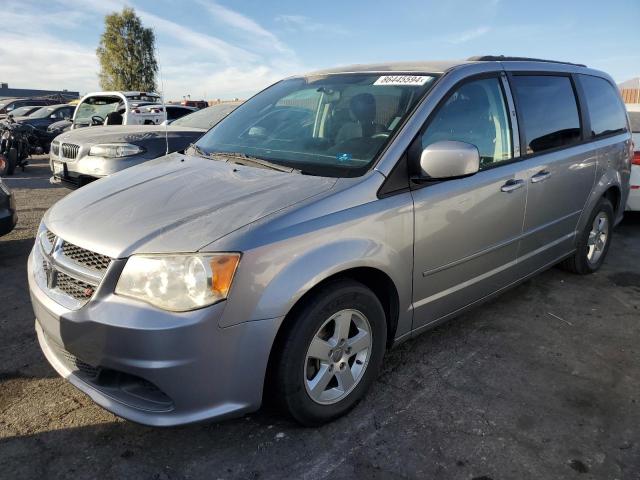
(155, 367)
(85, 168)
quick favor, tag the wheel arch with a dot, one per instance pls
(379, 282)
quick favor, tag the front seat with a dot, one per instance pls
(363, 113)
(114, 118)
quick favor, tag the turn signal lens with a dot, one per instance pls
(223, 269)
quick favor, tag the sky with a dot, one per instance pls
(224, 49)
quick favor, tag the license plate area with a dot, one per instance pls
(59, 169)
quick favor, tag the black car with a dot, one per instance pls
(25, 111)
(8, 216)
(44, 117)
(8, 105)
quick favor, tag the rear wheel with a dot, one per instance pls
(331, 353)
(594, 241)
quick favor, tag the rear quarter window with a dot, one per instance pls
(547, 111)
(606, 111)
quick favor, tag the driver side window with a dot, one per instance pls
(475, 113)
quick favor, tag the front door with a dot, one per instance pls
(467, 230)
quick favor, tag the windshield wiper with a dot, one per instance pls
(244, 159)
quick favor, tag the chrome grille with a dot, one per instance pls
(69, 150)
(51, 238)
(74, 287)
(55, 148)
(86, 258)
(69, 274)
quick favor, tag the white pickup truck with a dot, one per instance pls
(119, 108)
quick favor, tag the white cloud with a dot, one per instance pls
(237, 20)
(240, 59)
(42, 61)
(468, 35)
(296, 23)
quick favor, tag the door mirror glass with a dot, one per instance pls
(449, 159)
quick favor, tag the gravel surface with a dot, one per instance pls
(542, 383)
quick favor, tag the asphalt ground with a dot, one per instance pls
(541, 383)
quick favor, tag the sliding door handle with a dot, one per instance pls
(512, 185)
(540, 176)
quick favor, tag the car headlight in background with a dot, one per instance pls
(115, 150)
(178, 282)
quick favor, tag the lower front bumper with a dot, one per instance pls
(154, 367)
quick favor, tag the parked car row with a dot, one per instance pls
(83, 155)
(329, 217)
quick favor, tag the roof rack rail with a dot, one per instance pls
(503, 58)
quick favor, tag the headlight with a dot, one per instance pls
(178, 282)
(115, 150)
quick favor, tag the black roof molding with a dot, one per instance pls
(503, 58)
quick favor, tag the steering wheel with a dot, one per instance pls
(97, 120)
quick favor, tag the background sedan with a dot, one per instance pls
(80, 156)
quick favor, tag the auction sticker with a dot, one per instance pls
(417, 80)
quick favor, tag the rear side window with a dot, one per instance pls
(606, 113)
(548, 112)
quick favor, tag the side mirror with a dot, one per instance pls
(54, 116)
(449, 159)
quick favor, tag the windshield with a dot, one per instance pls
(207, 117)
(23, 111)
(634, 119)
(330, 125)
(96, 107)
(43, 112)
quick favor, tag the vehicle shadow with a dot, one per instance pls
(33, 175)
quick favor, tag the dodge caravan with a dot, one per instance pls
(328, 218)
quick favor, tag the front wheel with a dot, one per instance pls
(593, 241)
(331, 352)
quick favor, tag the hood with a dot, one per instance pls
(135, 134)
(175, 203)
(124, 133)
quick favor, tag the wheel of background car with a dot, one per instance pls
(97, 120)
(593, 242)
(330, 353)
(12, 158)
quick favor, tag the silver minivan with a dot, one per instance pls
(328, 218)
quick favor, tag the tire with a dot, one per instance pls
(582, 262)
(12, 158)
(296, 369)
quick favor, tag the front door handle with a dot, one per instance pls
(512, 185)
(540, 176)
